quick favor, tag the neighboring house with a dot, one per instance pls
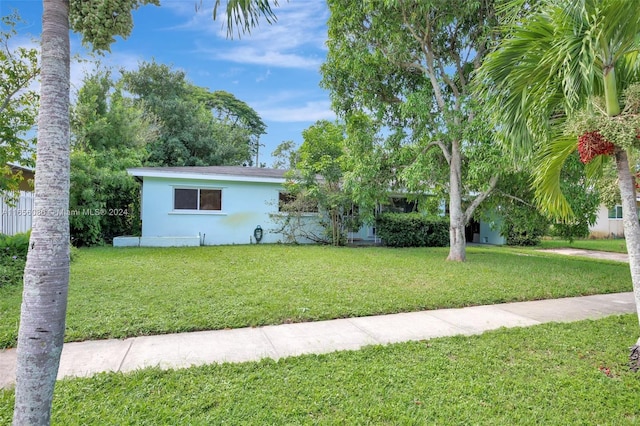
(16, 209)
(190, 206)
(608, 223)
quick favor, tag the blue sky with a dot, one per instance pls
(275, 69)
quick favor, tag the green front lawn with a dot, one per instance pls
(552, 374)
(138, 291)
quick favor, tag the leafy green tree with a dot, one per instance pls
(513, 212)
(46, 278)
(18, 104)
(316, 182)
(523, 222)
(235, 113)
(410, 65)
(286, 155)
(109, 134)
(583, 197)
(189, 133)
(567, 71)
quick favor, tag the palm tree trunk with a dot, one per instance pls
(626, 183)
(46, 277)
(628, 195)
(457, 242)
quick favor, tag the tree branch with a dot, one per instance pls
(480, 198)
(425, 47)
(441, 145)
(10, 95)
(520, 200)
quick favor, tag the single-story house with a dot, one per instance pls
(213, 205)
(191, 206)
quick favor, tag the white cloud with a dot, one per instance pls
(296, 40)
(263, 77)
(113, 61)
(273, 58)
(310, 111)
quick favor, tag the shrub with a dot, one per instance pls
(569, 231)
(11, 270)
(412, 230)
(523, 239)
(14, 245)
(13, 255)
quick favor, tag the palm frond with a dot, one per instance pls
(547, 173)
(244, 15)
(595, 168)
(553, 59)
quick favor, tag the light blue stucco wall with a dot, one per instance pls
(489, 231)
(245, 205)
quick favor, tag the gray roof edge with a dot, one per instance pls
(237, 171)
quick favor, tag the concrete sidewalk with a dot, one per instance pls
(593, 254)
(278, 341)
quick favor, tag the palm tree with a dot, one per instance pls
(562, 69)
(46, 277)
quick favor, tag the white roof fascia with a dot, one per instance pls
(203, 176)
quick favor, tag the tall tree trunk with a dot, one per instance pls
(627, 186)
(626, 183)
(457, 243)
(46, 277)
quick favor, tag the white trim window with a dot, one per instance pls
(197, 199)
(615, 212)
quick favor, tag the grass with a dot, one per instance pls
(117, 293)
(614, 245)
(552, 374)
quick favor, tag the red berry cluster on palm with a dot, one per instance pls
(591, 144)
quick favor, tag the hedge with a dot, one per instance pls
(412, 230)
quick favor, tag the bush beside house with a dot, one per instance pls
(412, 230)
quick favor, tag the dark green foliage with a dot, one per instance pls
(14, 245)
(189, 134)
(11, 270)
(583, 199)
(104, 202)
(13, 254)
(412, 230)
(523, 223)
(569, 231)
(233, 113)
(110, 134)
(524, 238)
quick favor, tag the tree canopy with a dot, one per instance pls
(409, 66)
(18, 104)
(190, 134)
(109, 133)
